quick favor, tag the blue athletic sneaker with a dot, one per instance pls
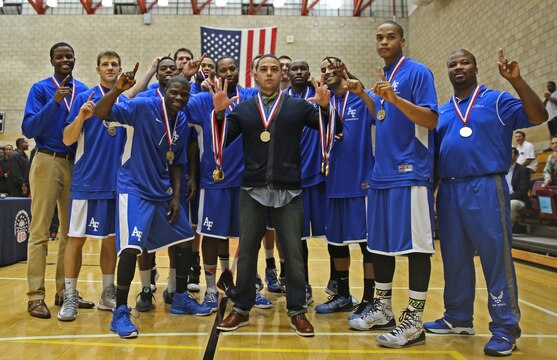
(121, 323)
(261, 302)
(272, 280)
(335, 304)
(211, 300)
(309, 295)
(184, 304)
(500, 346)
(442, 326)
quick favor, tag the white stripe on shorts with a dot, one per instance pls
(422, 239)
(123, 217)
(78, 218)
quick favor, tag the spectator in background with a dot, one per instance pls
(518, 179)
(526, 151)
(4, 189)
(550, 169)
(8, 150)
(19, 169)
(550, 103)
(285, 62)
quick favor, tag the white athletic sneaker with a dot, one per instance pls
(376, 315)
(108, 298)
(409, 332)
(68, 311)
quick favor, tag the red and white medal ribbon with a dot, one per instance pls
(169, 136)
(233, 105)
(466, 116)
(344, 102)
(395, 70)
(68, 106)
(267, 120)
(103, 93)
(326, 139)
(306, 94)
(218, 139)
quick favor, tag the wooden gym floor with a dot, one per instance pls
(164, 335)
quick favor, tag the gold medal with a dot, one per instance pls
(323, 167)
(327, 170)
(170, 155)
(381, 114)
(265, 136)
(218, 175)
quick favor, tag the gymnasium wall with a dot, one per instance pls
(526, 30)
(25, 46)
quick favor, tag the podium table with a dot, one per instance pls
(15, 219)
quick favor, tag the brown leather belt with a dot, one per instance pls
(57, 154)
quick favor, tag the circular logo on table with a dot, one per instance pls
(21, 226)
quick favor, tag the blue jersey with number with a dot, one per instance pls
(351, 160)
(403, 150)
(144, 170)
(493, 118)
(199, 111)
(98, 154)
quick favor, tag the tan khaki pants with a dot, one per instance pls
(50, 179)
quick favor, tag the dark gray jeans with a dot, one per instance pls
(288, 222)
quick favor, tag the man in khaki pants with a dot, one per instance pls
(47, 107)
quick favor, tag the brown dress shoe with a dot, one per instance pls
(38, 308)
(233, 321)
(83, 304)
(302, 325)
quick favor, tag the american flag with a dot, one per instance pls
(242, 44)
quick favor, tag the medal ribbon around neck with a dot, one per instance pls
(218, 139)
(326, 139)
(466, 116)
(395, 70)
(264, 119)
(103, 93)
(68, 106)
(236, 102)
(344, 102)
(169, 136)
(306, 94)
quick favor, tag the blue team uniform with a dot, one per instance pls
(219, 201)
(97, 159)
(144, 186)
(313, 180)
(350, 165)
(44, 118)
(400, 199)
(473, 207)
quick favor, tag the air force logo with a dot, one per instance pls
(21, 226)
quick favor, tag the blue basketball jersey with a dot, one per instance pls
(351, 160)
(98, 154)
(199, 111)
(144, 170)
(493, 118)
(311, 148)
(403, 150)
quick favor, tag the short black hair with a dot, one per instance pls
(182, 50)
(284, 57)
(397, 25)
(165, 58)
(551, 82)
(179, 79)
(264, 57)
(18, 142)
(298, 61)
(60, 44)
(466, 52)
(224, 57)
(520, 132)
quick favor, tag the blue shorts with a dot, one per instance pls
(219, 213)
(314, 211)
(400, 220)
(190, 208)
(143, 225)
(92, 218)
(346, 220)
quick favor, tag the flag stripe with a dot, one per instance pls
(273, 40)
(262, 41)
